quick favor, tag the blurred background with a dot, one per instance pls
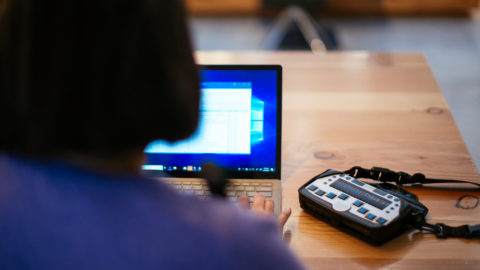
(447, 32)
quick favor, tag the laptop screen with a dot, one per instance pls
(239, 128)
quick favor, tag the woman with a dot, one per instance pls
(80, 85)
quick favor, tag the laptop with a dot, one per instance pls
(239, 131)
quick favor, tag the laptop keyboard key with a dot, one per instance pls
(233, 190)
(266, 194)
(240, 193)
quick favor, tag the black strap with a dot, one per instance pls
(443, 231)
(401, 178)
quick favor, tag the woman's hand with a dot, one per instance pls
(264, 207)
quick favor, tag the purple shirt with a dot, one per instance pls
(54, 215)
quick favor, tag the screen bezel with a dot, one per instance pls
(278, 153)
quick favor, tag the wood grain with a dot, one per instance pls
(223, 7)
(369, 109)
(402, 7)
(363, 7)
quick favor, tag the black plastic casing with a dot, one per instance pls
(372, 233)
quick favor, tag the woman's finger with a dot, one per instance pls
(269, 205)
(258, 203)
(244, 202)
(283, 217)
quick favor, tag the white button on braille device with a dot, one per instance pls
(340, 206)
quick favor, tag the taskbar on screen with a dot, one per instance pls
(172, 168)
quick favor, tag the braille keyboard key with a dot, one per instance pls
(370, 216)
(362, 210)
(320, 192)
(358, 203)
(312, 187)
(343, 196)
(381, 220)
(331, 195)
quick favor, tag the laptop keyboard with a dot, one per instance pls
(233, 190)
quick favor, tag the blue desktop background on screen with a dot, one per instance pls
(263, 134)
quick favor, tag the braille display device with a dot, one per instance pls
(372, 212)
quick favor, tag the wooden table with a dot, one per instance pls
(369, 109)
(341, 7)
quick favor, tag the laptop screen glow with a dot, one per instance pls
(238, 128)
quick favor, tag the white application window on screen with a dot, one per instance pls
(224, 128)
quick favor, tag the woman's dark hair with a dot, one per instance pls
(95, 77)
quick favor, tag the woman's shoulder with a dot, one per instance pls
(83, 207)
